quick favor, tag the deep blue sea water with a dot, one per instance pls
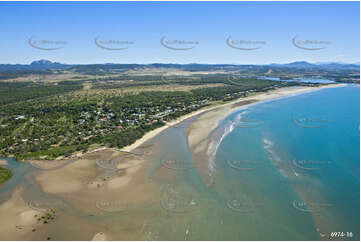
(285, 169)
(300, 156)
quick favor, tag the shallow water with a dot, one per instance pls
(19, 170)
(317, 168)
(261, 189)
(305, 80)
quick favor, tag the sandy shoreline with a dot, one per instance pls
(223, 110)
(258, 97)
(199, 141)
(81, 184)
(17, 218)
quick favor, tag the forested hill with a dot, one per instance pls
(48, 65)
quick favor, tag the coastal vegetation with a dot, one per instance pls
(11, 92)
(5, 174)
(104, 106)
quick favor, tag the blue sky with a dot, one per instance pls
(207, 23)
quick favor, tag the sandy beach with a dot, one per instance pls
(209, 121)
(205, 124)
(75, 170)
(17, 217)
(82, 182)
(200, 130)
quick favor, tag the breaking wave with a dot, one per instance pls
(222, 132)
(268, 145)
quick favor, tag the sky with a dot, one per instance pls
(179, 32)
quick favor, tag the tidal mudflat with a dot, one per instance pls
(239, 166)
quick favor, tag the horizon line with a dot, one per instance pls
(191, 63)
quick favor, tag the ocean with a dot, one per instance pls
(283, 169)
(298, 158)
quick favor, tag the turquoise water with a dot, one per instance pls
(315, 80)
(302, 150)
(19, 170)
(286, 169)
(275, 178)
(305, 80)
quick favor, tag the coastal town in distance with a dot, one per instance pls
(169, 143)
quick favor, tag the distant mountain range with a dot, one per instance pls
(329, 65)
(35, 66)
(49, 65)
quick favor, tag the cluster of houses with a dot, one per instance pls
(134, 116)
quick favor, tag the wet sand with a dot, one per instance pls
(221, 111)
(95, 197)
(84, 184)
(17, 218)
(204, 125)
(208, 122)
(200, 130)
(84, 173)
